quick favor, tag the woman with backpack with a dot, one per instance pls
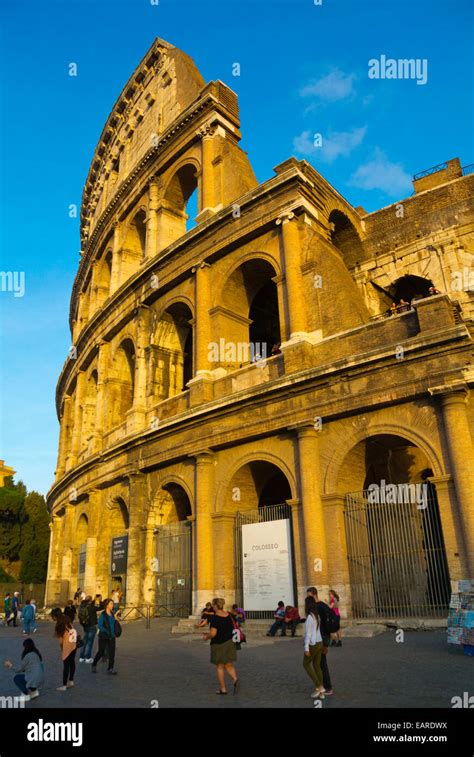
(109, 630)
(30, 675)
(313, 647)
(334, 605)
(67, 636)
(88, 619)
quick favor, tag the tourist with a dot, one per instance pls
(313, 647)
(28, 617)
(433, 290)
(223, 648)
(70, 610)
(334, 605)
(98, 603)
(67, 636)
(88, 619)
(77, 596)
(30, 676)
(325, 616)
(206, 615)
(279, 620)
(15, 606)
(116, 597)
(292, 618)
(403, 306)
(393, 309)
(34, 624)
(238, 613)
(109, 630)
(7, 608)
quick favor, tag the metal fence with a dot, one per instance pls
(396, 554)
(260, 515)
(173, 552)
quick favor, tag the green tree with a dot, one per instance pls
(35, 540)
(12, 519)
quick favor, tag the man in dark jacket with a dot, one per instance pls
(108, 632)
(322, 609)
(88, 621)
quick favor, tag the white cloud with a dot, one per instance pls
(380, 173)
(335, 86)
(332, 146)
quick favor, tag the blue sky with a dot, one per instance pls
(303, 72)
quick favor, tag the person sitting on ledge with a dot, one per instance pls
(206, 615)
(279, 620)
(292, 618)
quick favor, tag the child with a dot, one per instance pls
(334, 605)
(30, 676)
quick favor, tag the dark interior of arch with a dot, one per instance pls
(180, 499)
(265, 327)
(408, 287)
(182, 317)
(345, 237)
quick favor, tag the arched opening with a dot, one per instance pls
(397, 558)
(171, 362)
(104, 275)
(263, 539)
(180, 203)
(133, 246)
(123, 385)
(251, 324)
(345, 237)
(170, 539)
(410, 288)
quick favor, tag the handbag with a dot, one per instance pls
(79, 642)
(238, 636)
(118, 629)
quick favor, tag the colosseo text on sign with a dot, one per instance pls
(267, 564)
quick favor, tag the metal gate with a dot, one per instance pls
(260, 515)
(174, 572)
(395, 549)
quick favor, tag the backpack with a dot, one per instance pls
(330, 622)
(84, 615)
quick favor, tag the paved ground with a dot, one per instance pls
(423, 671)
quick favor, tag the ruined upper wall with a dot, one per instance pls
(164, 84)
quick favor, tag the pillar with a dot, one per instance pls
(149, 583)
(223, 541)
(116, 259)
(451, 525)
(136, 531)
(204, 486)
(64, 438)
(203, 322)
(77, 424)
(291, 248)
(313, 515)
(152, 220)
(208, 200)
(100, 408)
(138, 415)
(336, 545)
(300, 552)
(459, 441)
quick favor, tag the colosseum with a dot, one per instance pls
(282, 360)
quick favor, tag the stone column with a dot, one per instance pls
(63, 436)
(100, 425)
(201, 384)
(313, 516)
(152, 220)
(291, 248)
(204, 493)
(223, 541)
(116, 258)
(149, 584)
(77, 426)
(451, 525)
(135, 566)
(300, 552)
(207, 171)
(338, 566)
(93, 296)
(138, 417)
(459, 441)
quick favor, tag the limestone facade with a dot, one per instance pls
(165, 416)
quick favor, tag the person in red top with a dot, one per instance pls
(292, 618)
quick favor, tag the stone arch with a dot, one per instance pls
(104, 276)
(224, 499)
(134, 238)
(179, 187)
(351, 440)
(89, 405)
(249, 314)
(122, 386)
(409, 287)
(345, 237)
(171, 351)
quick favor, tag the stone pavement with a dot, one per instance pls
(174, 671)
